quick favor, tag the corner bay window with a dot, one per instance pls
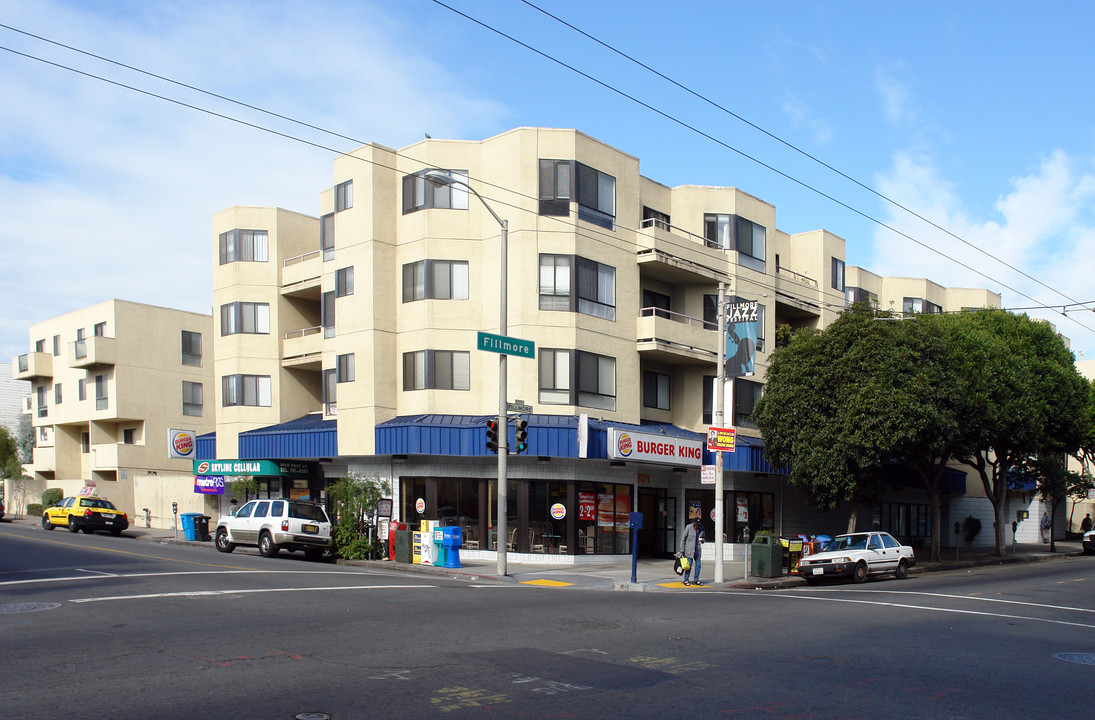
(733, 232)
(243, 246)
(252, 390)
(435, 280)
(576, 377)
(595, 283)
(421, 194)
(327, 236)
(437, 370)
(245, 317)
(563, 181)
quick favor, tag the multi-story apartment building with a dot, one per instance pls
(108, 384)
(348, 343)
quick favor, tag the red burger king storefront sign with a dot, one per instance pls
(647, 447)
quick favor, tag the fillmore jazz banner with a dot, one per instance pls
(741, 338)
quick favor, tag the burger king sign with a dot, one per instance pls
(181, 444)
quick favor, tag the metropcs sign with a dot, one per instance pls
(647, 447)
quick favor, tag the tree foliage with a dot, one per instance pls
(355, 497)
(10, 465)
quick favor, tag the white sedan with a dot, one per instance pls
(858, 556)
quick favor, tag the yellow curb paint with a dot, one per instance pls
(673, 585)
(546, 583)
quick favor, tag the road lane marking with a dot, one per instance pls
(248, 591)
(97, 572)
(228, 571)
(928, 608)
(981, 599)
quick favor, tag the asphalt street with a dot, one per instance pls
(102, 627)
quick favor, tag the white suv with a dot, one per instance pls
(273, 525)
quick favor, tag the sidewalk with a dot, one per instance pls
(650, 574)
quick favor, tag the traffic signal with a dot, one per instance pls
(492, 435)
(521, 443)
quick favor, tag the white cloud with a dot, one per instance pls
(893, 95)
(803, 117)
(1043, 226)
(108, 193)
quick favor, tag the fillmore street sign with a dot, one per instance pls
(257, 468)
(505, 345)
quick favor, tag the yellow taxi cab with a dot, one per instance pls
(85, 513)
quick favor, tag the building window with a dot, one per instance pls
(327, 236)
(344, 366)
(421, 194)
(244, 246)
(330, 392)
(435, 280)
(192, 398)
(81, 389)
(575, 377)
(596, 285)
(128, 435)
(327, 314)
(555, 380)
(99, 330)
(919, 305)
(853, 295)
(56, 345)
(192, 347)
(562, 181)
(555, 187)
(437, 370)
(655, 304)
(245, 318)
(57, 393)
(40, 346)
(709, 382)
(837, 278)
(101, 400)
(652, 217)
(85, 443)
(733, 232)
(746, 396)
(344, 282)
(344, 196)
(43, 407)
(655, 390)
(249, 390)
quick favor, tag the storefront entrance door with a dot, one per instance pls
(657, 538)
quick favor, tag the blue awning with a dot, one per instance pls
(309, 437)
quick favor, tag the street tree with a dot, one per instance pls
(1021, 395)
(355, 497)
(10, 465)
(1054, 482)
(842, 405)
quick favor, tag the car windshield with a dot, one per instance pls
(848, 542)
(304, 511)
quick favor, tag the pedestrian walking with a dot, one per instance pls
(691, 541)
(1085, 525)
(1045, 527)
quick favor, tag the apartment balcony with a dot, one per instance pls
(667, 337)
(32, 366)
(303, 349)
(94, 351)
(671, 254)
(45, 461)
(301, 276)
(797, 295)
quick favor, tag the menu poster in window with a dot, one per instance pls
(695, 509)
(587, 506)
(606, 512)
(743, 510)
(623, 513)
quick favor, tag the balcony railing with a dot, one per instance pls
(780, 270)
(301, 258)
(677, 317)
(663, 225)
(303, 332)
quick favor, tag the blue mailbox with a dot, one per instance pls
(451, 540)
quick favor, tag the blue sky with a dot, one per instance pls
(978, 116)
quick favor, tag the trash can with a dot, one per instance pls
(766, 557)
(201, 528)
(403, 546)
(189, 531)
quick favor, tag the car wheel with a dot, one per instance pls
(902, 571)
(313, 554)
(222, 541)
(859, 575)
(267, 546)
(72, 525)
(46, 524)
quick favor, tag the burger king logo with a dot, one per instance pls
(183, 444)
(624, 444)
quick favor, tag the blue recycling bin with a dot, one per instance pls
(451, 540)
(190, 528)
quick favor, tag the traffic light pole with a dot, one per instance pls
(503, 419)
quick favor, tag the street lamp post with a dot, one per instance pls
(438, 178)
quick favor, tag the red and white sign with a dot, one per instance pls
(587, 506)
(647, 447)
(720, 439)
(707, 475)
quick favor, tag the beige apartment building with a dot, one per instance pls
(354, 342)
(112, 386)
